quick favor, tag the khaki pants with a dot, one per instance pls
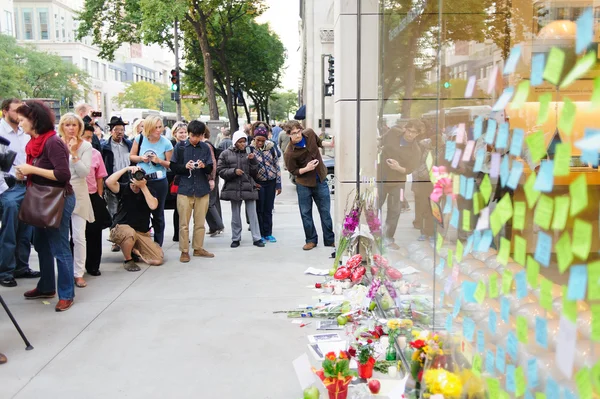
(185, 206)
(149, 250)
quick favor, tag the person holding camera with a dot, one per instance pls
(238, 167)
(192, 162)
(131, 225)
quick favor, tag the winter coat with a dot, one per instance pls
(237, 188)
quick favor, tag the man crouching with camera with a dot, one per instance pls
(131, 224)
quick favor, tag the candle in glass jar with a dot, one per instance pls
(392, 371)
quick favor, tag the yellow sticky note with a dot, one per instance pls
(544, 100)
(595, 322)
(459, 251)
(579, 196)
(594, 281)
(554, 65)
(564, 254)
(521, 95)
(485, 188)
(520, 250)
(569, 307)
(533, 272)
(531, 194)
(466, 221)
(455, 184)
(507, 277)
(537, 145)
(562, 159)
(493, 283)
(519, 210)
(561, 212)
(546, 294)
(582, 239)
(504, 251)
(543, 212)
(567, 117)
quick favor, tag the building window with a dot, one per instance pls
(57, 31)
(8, 23)
(27, 24)
(95, 69)
(62, 24)
(43, 19)
(67, 60)
(85, 65)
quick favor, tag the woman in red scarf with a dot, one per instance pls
(48, 164)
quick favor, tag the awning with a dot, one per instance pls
(301, 113)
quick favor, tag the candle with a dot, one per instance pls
(392, 371)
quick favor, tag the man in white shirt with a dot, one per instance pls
(15, 236)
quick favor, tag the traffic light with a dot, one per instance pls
(329, 88)
(175, 80)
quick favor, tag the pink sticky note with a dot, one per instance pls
(456, 159)
(468, 151)
(461, 134)
(495, 168)
(492, 80)
(470, 87)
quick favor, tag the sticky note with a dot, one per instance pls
(480, 341)
(520, 95)
(512, 345)
(582, 66)
(466, 220)
(468, 290)
(456, 159)
(468, 328)
(493, 77)
(538, 62)
(503, 252)
(519, 211)
(470, 188)
(476, 368)
(568, 394)
(590, 156)
(543, 212)
(584, 383)
(543, 248)
(546, 294)
(503, 100)
(561, 212)
(521, 283)
(504, 208)
(532, 373)
(492, 322)
(502, 137)
(522, 335)
(456, 308)
(516, 144)
(545, 179)
(552, 391)
(495, 165)
(594, 280)
(596, 374)
(450, 150)
(582, 238)
(554, 65)
(468, 151)
(459, 251)
(531, 194)
(454, 218)
(579, 195)
(515, 175)
(493, 284)
(520, 382)
(479, 159)
(440, 267)
(567, 116)
(500, 359)
(595, 323)
(585, 30)
(544, 112)
(477, 127)
(461, 134)
(439, 242)
(479, 294)
(569, 308)
(504, 171)
(450, 257)
(470, 86)
(448, 324)
(490, 359)
(477, 203)
(577, 282)
(520, 251)
(504, 309)
(533, 272)
(512, 61)
(562, 159)
(564, 253)
(491, 131)
(510, 378)
(447, 205)
(493, 387)
(541, 331)
(486, 241)
(595, 100)
(485, 188)
(463, 186)
(483, 223)
(537, 145)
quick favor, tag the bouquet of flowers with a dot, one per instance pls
(397, 327)
(364, 357)
(351, 223)
(442, 183)
(442, 382)
(428, 347)
(336, 374)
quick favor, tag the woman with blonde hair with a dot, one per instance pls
(70, 129)
(137, 128)
(152, 152)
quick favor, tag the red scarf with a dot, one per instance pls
(35, 147)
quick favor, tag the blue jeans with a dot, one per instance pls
(53, 244)
(15, 235)
(320, 194)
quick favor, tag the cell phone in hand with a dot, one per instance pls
(248, 150)
(96, 114)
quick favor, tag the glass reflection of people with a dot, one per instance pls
(400, 156)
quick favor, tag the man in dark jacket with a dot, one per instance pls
(239, 169)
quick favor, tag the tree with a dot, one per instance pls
(282, 104)
(114, 22)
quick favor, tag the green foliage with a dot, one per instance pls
(282, 104)
(146, 95)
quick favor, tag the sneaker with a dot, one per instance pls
(203, 253)
(422, 237)
(8, 282)
(185, 257)
(270, 239)
(35, 294)
(235, 244)
(63, 305)
(259, 244)
(308, 246)
(131, 266)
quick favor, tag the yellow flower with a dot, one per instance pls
(440, 381)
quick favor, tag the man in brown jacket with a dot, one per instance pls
(303, 160)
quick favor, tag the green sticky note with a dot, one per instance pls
(504, 251)
(520, 382)
(596, 375)
(507, 277)
(595, 100)
(561, 212)
(579, 195)
(567, 117)
(520, 250)
(459, 251)
(543, 212)
(485, 188)
(583, 381)
(594, 280)
(519, 210)
(477, 203)
(504, 394)
(554, 65)
(450, 258)
(595, 322)
(581, 67)
(493, 387)
(522, 329)
(544, 100)
(466, 221)
(476, 365)
(531, 194)
(521, 95)
(546, 294)
(456, 184)
(569, 307)
(493, 283)
(582, 239)
(564, 254)
(562, 159)
(479, 294)
(537, 145)
(504, 208)
(533, 272)
(429, 161)
(439, 242)
(539, 395)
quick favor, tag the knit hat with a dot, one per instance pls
(261, 131)
(238, 135)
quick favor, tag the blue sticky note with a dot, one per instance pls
(577, 283)
(476, 240)
(470, 188)
(590, 156)
(504, 309)
(468, 291)
(543, 249)
(479, 159)
(569, 394)
(440, 267)
(486, 241)
(449, 323)
(489, 362)
(504, 171)
(528, 395)
(480, 341)
(513, 59)
(454, 218)
(442, 294)
(490, 133)
(510, 378)
(456, 309)
(512, 345)
(532, 373)
(463, 186)
(493, 322)
(448, 205)
(502, 138)
(477, 127)
(552, 391)
(515, 175)
(469, 246)
(468, 329)
(538, 63)
(585, 30)
(516, 144)
(545, 178)
(450, 150)
(521, 281)
(541, 331)
(504, 99)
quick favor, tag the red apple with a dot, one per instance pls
(374, 386)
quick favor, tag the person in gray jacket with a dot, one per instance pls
(239, 169)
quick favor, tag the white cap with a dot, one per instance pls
(238, 135)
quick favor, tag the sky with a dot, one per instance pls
(283, 17)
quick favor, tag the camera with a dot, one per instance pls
(141, 175)
(96, 114)
(196, 165)
(7, 156)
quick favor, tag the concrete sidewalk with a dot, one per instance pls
(199, 330)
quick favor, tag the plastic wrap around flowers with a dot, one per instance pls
(440, 381)
(442, 183)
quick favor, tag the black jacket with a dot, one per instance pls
(237, 188)
(108, 157)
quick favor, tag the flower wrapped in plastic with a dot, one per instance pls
(336, 374)
(442, 382)
(351, 223)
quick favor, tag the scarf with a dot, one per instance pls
(35, 147)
